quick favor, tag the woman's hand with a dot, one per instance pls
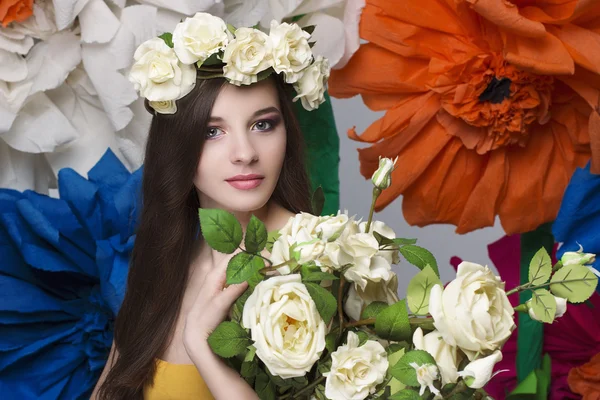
(210, 308)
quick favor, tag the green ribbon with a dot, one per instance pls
(530, 334)
(322, 151)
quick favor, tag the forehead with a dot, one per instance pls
(244, 100)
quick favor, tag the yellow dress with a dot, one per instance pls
(177, 382)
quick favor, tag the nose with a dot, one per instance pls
(242, 149)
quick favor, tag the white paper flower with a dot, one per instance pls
(287, 330)
(472, 312)
(385, 291)
(158, 74)
(479, 372)
(246, 56)
(199, 37)
(355, 371)
(312, 84)
(331, 227)
(164, 107)
(291, 51)
(426, 375)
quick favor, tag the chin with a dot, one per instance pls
(246, 202)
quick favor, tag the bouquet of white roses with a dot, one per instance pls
(321, 318)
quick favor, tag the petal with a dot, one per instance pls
(351, 18)
(13, 67)
(545, 55)
(66, 11)
(245, 13)
(582, 44)
(329, 36)
(186, 7)
(98, 23)
(506, 15)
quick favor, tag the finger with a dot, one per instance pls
(231, 293)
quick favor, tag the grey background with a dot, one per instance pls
(355, 196)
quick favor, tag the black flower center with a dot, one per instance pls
(496, 91)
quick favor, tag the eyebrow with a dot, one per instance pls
(254, 115)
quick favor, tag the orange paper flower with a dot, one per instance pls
(15, 11)
(585, 380)
(491, 105)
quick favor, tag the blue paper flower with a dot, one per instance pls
(578, 221)
(63, 270)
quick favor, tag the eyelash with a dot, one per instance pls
(271, 122)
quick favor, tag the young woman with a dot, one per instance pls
(229, 147)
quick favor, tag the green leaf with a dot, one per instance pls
(256, 235)
(325, 301)
(271, 238)
(167, 37)
(214, 59)
(310, 29)
(238, 307)
(312, 273)
(575, 283)
(229, 339)
(311, 44)
(362, 337)
(330, 340)
(373, 309)
(317, 201)
(419, 288)
(407, 374)
(249, 369)
(543, 305)
(540, 267)
(392, 323)
(264, 387)
(242, 267)
(220, 229)
(255, 279)
(419, 257)
(405, 394)
(264, 74)
(250, 354)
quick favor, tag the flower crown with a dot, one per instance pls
(204, 46)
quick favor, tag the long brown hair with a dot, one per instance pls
(168, 227)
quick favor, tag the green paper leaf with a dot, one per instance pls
(167, 37)
(250, 354)
(405, 394)
(312, 273)
(255, 279)
(242, 267)
(311, 44)
(382, 240)
(373, 309)
(264, 386)
(540, 267)
(264, 74)
(543, 305)
(272, 238)
(229, 339)
(317, 201)
(392, 323)
(330, 340)
(419, 288)
(214, 59)
(220, 229)
(362, 337)
(407, 374)
(578, 286)
(249, 369)
(256, 235)
(325, 301)
(419, 257)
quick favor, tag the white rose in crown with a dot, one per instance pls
(383, 291)
(355, 371)
(164, 107)
(246, 56)
(291, 51)
(199, 37)
(285, 326)
(158, 74)
(473, 311)
(446, 357)
(311, 86)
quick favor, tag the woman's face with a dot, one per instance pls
(244, 149)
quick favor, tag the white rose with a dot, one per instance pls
(281, 254)
(333, 257)
(577, 257)
(311, 87)
(426, 375)
(247, 55)
(472, 312)
(164, 107)
(199, 37)
(561, 308)
(287, 330)
(157, 73)
(385, 291)
(298, 221)
(374, 269)
(479, 372)
(355, 371)
(291, 51)
(382, 178)
(446, 357)
(330, 228)
(310, 247)
(385, 231)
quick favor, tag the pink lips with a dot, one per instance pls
(245, 182)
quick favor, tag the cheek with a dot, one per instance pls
(274, 151)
